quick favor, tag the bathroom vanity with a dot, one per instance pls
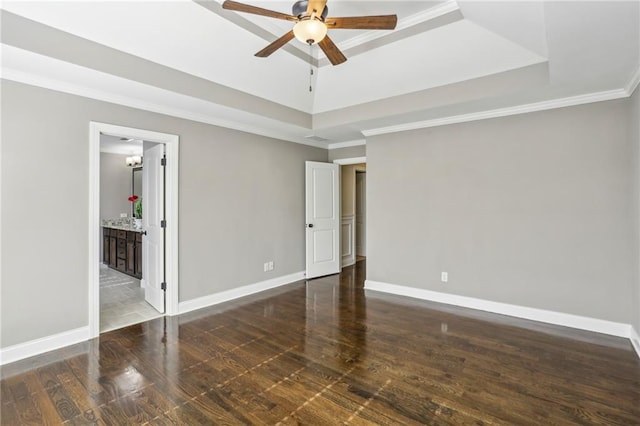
(122, 248)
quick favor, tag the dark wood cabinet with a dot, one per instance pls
(138, 254)
(122, 250)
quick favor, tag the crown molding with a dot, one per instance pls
(502, 112)
(59, 86)
(349, 161)
(409, 21)
(633, 82)
(347, 144)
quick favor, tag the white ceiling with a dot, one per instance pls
(445, 59)
(117, 145)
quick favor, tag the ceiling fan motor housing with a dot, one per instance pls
(300, 8)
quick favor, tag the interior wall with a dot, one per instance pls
(115, 186)
(348, 152)
(361, 211)
(348, 188)
(232, 218)
(533, 210)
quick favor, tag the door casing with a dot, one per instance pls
(171, 143)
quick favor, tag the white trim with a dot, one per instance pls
(42, 345)
(542, 315)
(94, 230)
(60, 86)
(347, 144)
(172, 152)
(349, 258)
(408, 22)
(633, 82)
(635, 340)
(235, 293)
(502, 112)
(47, 83)
(347, 161)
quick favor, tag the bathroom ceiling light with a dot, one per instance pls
(134, 160)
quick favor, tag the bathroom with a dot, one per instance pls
(122, 257)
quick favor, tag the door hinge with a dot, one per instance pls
(163, 286)
(163, 223)
(163, 161)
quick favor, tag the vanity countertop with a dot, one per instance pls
(121, 224)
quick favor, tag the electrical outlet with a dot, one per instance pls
(271, 265)
(444, 277)
(266, 266)
(123, 215)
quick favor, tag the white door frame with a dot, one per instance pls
(171, 144)
(347, 161)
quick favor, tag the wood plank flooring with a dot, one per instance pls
(325, 353)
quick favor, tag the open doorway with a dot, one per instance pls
(353, 210)
(122, 290)
(133, 261)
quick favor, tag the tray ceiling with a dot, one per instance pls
(446, 58)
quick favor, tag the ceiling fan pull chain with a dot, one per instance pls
(310, 67)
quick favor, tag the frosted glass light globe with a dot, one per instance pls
(310, 29)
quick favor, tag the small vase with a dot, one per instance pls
(137, 223)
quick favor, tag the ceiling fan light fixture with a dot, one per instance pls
(310, 31)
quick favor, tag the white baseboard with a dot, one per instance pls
(635, 340)
(42, 345)
(235, 293)
(551, 317)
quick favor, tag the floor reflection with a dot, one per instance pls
(321, 352)
(337, 312)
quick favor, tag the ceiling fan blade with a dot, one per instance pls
(241, 7)
(275, 45)
(383, 22)
(316, 7)
(331, 50)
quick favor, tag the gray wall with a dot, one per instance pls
(349, 152)
(115, 186)
(348, 189)
(533, 210)
(634, 134)
(241, 204)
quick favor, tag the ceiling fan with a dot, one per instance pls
(312, 24)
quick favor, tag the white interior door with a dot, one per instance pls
(152, 217)
(322, 196)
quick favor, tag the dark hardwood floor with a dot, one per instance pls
(323, 353)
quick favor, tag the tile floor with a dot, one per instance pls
(121, 301)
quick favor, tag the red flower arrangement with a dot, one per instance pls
(137, 206)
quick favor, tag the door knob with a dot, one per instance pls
(310, 225)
